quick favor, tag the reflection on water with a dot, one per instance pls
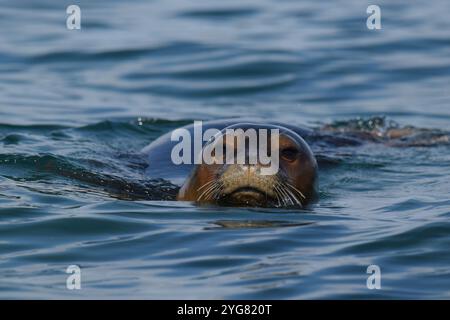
(77, 106)
(238, 224)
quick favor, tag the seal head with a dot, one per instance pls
(248, 183)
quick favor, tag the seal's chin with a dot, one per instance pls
(246, 197)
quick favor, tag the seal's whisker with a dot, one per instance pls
(277, 194)
(218, 192)
(209, 188)
(206, 184)
(280, 196)
(290, 195)
(294, 197)
(212, 192)
(285, 194)
(295, 189)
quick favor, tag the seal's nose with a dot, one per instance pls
(249, 169)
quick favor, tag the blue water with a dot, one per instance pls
(77, 106)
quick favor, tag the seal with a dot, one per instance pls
(295, 182)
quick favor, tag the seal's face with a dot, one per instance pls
(247, 184)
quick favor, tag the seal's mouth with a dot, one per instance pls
(247, 196)
(247, 190)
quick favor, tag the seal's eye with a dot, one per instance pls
(289, 154)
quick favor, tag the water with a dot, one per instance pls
(77, 106)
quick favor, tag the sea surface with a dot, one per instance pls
(77, 106)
